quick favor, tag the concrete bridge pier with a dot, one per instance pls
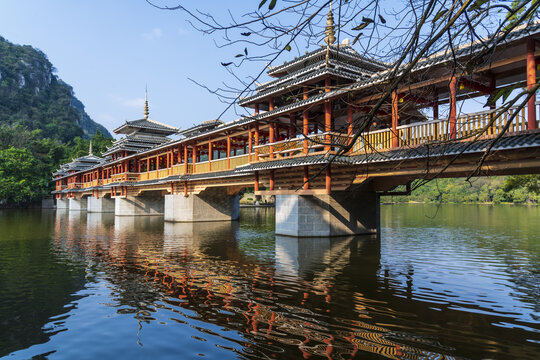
(100, 205)
(62, 203)
(337, 214)
(147, 203)
(213, 204)
(78, 204)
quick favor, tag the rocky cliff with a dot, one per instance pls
(32, 95)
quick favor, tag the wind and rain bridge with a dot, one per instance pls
(302, 145)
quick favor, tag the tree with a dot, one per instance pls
(401, 34)
(19, 178)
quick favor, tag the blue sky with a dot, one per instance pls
(108, 50)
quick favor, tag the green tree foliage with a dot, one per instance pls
(27, 161)
(496, 190)
(19, 178)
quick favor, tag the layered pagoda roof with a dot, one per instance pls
(338, 61)
(79, 164)
(136, 143)
(201, 128)
(145, 126)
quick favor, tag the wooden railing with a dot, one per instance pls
(291, 146)
(483, 123)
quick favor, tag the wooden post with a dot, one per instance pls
(256, 141)
(250, 144)
(452, 118)
(292, 127)
(306, 177)
(327, 118)
(271, 129)
(271, 139)
(349, 123)
(531, 83)
(228, 151)
(395, 119)
(185, 187)
(209, 155)
(305, 123)
(168, 161)
(271, 180)
(328, 179)
(179, 154)
(435, 116)
(256, 185)
(185, 159)
(194, 158)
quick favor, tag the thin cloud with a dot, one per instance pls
(155, 33)
(137, 102)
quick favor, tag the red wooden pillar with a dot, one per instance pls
(328, 179)
(292, 127)
(185, 185)
(306, 177)
(168, 160)
(194, 157)
(210, 151)
(185, 159)
(453, 111)
(531, 83)
(349, 123)
(256, 141)
(271, 129)
(327, 118)
(250, 143)
(271, 180)
(256, 185)
(228, 151)
(305, 123)
(395, 118)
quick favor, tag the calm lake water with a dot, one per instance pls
(453, 282)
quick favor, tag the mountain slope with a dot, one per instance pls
(32, 95)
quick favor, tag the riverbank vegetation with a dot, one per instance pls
(519, 189)
(27, 160)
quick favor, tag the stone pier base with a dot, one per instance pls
(100, 205)
(209, 205)
(150, 204)
(337, 214)
(62, 203)
(78, 204)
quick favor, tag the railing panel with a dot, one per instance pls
(482, 123)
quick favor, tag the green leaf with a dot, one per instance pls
(367, 20)
(383, 20)
(288, 47)
(361, 26)
(261, 4)
(477, 4)
(239, 55)
(272, 4)
(439, 15)
(357, 37)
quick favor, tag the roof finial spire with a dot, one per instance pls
(90, 149)
(330, 31)
(146, 102)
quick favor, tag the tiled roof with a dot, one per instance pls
(204, 126)
(136, 143)
(146, 124)
(335, 50)
(321, 71)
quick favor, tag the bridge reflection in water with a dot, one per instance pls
(254, 294)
